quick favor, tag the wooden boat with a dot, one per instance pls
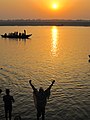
(16, 35)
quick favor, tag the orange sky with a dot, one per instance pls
(42, 9)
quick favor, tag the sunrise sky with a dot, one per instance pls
(44, 9)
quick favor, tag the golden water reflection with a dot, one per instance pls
(54, 43)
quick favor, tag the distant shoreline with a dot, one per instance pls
(45, 23)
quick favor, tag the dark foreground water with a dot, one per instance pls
(52, 53)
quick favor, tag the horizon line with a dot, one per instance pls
(46, 19)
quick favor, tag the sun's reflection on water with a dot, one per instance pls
(54, 41)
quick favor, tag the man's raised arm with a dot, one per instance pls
(47, 91)
(51, 85)
(32, 85)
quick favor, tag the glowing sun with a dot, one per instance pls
(55, 6)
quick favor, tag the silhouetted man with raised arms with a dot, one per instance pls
(40, 99)
(8, 99)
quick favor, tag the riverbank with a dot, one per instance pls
(45, 22)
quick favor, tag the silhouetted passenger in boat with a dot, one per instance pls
(40, 99)
(8, 99)
(5, 34)
(24, 32)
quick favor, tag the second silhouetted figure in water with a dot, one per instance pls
(8, 99)
(0, 91)
(40, 99)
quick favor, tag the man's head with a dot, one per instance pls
(41, 89)
(7, 91)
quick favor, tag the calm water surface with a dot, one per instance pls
(52, 53)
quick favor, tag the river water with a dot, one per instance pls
(52, 53)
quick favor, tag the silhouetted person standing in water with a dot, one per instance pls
(8, 99)
(0, 91)
(40, 99)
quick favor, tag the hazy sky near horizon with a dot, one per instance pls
(43, 9)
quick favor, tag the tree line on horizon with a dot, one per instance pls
(41, 22)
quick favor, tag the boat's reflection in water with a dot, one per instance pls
(17, 39)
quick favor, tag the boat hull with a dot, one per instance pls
(17, 36)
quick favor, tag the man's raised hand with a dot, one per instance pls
(53, 81)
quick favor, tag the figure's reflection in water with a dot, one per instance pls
(54, 40)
